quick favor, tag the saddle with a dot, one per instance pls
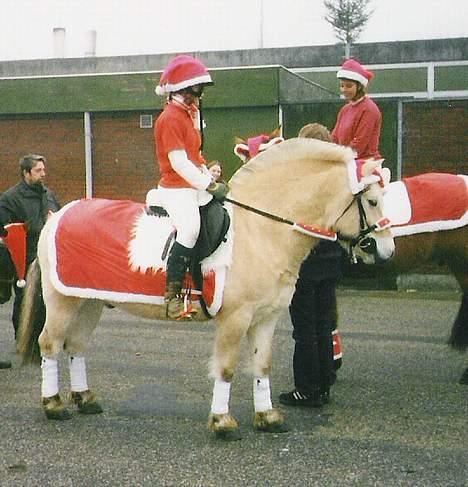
(214, 225)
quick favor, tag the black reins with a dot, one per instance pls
(366, 244)
(252, 209)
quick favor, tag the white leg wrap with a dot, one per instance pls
(262, 394)
(49, 377)
(78, 380)
(221, 395)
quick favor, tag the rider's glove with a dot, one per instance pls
(218, 190)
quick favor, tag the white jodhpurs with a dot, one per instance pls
(182, 206)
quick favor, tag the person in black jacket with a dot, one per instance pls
(29, 202)
(313, 312)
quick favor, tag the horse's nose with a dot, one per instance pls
(368, 245)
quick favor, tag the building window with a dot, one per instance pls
(146, 121)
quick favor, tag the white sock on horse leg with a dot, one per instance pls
(221, 395)
(49, 368)
(78, 381)
(262, 394)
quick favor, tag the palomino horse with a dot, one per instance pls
(435, 238)
(301, 180)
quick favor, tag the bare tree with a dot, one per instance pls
(348, 19)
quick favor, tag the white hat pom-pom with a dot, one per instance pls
(20, 283)
(159, 90)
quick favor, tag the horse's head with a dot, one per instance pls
(370, 240)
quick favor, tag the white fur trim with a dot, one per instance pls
(152, 198)
(171, 88)
(242, 151)
(221, 396)
(266, 145)
(396, 203)
(262, 394)
(355, 185)
(435, 226)
(344, 73)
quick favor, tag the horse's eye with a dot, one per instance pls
(372, 203)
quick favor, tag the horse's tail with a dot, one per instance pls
(459, 336)
(32, 317)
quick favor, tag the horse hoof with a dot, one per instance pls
(271, 421)
(54, 408)
(228, 435)
(224, 426)
(86, 402)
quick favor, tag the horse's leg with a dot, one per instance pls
(76, 344)
(458, 339)
(60, 311)
(229, 332)
(464, 378)
(459, 334)
(266, 417)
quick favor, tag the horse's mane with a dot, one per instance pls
(292, 149)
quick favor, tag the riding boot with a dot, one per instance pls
(177, 265)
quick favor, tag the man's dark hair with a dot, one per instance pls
(28, 161)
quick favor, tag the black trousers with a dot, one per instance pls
(313, 312)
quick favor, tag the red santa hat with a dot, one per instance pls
(183, 71)
(351, 69)
(15, 242)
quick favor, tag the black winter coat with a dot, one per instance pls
(23, 203)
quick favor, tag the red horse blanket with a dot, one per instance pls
(112, 250)
(427, 203)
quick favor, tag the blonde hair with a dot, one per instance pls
(315, 131)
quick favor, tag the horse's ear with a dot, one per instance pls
(386, 175)
(275, 133)
(242, 151)
(370, 166)
(238, 140)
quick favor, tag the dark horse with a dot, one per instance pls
(446, 247)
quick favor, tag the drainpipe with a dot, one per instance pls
(399, 140)
(88, 154)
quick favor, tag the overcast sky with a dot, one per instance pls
(152, 26)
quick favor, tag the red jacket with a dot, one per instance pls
(174, 130)
(358, 126)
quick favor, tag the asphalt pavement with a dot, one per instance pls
(398, 416)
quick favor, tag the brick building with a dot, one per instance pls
(92, 117)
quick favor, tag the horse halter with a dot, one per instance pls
(366, 244)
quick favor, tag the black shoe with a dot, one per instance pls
(296, 398)
(5, 364)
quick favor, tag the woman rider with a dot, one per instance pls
(185, 181)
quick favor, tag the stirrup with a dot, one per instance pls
(182, 309)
